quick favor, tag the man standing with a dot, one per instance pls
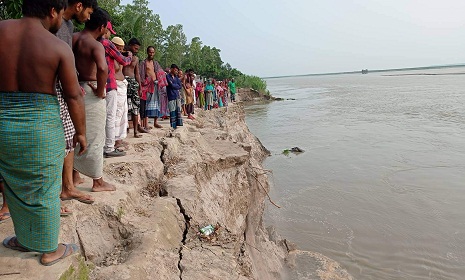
(121, 122)
(150, 98)
(80, 11)
(131, 74)
(174, 102)
(112, 55)
(93, 72)
(31, 132)
(232, 90)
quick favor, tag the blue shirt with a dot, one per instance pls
(173, 87)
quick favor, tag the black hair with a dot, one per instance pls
(174, 66)
(134, 41)
(97, 19)
(85, 3)
(150, 47)
(41, 9)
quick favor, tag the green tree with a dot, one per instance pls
(10, 9)
(193, 57)
(174, 45)
(138, 21)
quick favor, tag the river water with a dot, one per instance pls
(380, 187)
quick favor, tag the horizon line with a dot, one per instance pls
(370, 71)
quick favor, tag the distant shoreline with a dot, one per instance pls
(380, 71)
(425, 74)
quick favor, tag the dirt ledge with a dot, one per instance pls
(170, 184)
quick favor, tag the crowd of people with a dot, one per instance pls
(171, 93)
(81, 87)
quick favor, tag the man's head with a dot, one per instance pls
(98, 21)
(119, 43)
(52, 10)
(134, 45)
(174, 69)
(150, 52)
(109, 30)
(82, 9)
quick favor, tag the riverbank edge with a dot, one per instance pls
(171, 184)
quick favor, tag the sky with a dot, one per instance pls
(295, 37)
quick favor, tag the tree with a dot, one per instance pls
(138, 21)
(174, 45)
(10, 9)
(193, 57)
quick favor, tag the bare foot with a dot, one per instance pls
(78, 195)
(77, 178)
(121, 143)
(137, 135)
(142, 130)
(64, 211)
(102, 186)
(157, 125)
(3, 211)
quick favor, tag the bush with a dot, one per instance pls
(254, 82)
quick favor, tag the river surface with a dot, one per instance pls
(380, 187)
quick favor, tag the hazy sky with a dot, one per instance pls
(272, 38)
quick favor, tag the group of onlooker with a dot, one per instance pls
(63, 110)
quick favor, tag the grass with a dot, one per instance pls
(82, 272)
(120, 213)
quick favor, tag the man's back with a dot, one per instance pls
(85, 52)
(30, 56)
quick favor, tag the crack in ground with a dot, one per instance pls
(187, 220)
(80, 242)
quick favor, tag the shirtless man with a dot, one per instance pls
(131, 73)
(80, 11)
(150, 97)
(93, 72)
(31, 131)
(121, 123)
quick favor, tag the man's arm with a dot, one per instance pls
(177, 83)
(73, 96)
(98, 55)
(113, 52)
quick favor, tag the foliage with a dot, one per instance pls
(174, 46)
(10, 9)
(138, 21)
(247, 81)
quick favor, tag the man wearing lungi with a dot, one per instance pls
(93, 72)
(32, 146)
(174, 101)
(80, 11)
(149, 89)
(131, 74)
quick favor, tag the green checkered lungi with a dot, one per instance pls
(32, 151)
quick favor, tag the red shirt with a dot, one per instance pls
(112, 54)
